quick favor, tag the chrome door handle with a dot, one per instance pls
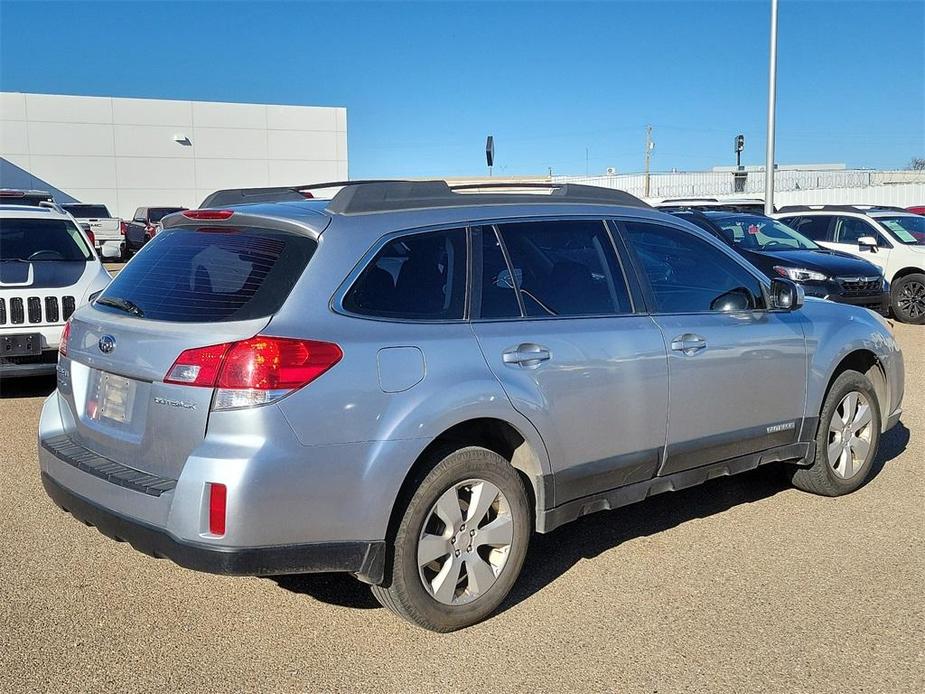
(688, 344)
(527, 355)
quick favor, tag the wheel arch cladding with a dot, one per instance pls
(910, 270)
(866, 362)
(496, 435)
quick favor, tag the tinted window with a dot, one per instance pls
(418, 277)
(155, 214)
(208, 276)
(815, 227)
(566, 268)
(87, 211)
(689, 275)
(850, 229)
(41, 239)
(697, 220)
(498, 294)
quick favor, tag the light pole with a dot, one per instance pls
(772, 103)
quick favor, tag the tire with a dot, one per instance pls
(462, 476)
(838, 470)
(907, 299)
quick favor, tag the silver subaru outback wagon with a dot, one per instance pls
(406, 381)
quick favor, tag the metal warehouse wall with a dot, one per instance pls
(125, 153)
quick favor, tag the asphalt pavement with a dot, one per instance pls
(740, 585)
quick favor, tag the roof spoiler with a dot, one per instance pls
(249, 196)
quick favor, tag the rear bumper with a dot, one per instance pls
(43, 365)
(365, 559)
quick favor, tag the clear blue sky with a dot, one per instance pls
(424, 83)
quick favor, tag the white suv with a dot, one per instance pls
(889, 237)
(47, 270)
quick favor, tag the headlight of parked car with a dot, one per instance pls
(799, 274)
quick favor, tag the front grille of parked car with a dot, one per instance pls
(49, 356)
(858, 286)
(67, 450)
(34, 310)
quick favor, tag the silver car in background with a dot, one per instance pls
(406, 381)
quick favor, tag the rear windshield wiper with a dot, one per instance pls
(118, 302)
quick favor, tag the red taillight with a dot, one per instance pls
(218, 498)
(122, 226)
(65, 336)
(208, 214)
(306, 194)
(91, 237)
(197, 367)
(254, 371)
(275, 363)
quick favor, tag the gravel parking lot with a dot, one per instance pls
(740, 585)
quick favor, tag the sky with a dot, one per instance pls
(566, 86)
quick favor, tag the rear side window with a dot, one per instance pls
(88, 211)
(566, 268)
(211, 275)
(498, 291)
(34, 240)
(156, 214)
(814, 227)
(414, 277)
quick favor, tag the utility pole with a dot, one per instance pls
(772, 103)
(587, 161)
(649, 147)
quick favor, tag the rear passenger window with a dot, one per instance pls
(815, 227)
(566, 268)
(499, 299)
(415, 277)
(212, 275)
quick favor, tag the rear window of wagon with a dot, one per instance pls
(212, 274)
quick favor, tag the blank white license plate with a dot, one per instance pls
(115, 400)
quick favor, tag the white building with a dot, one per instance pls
(129, 153)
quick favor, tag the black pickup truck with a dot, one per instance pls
(143, 227)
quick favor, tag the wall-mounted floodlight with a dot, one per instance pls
(182, 139)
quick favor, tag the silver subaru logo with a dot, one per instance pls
(106, 344)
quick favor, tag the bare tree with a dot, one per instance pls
(916, 164)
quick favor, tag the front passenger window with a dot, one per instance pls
(690, 275)
(850, 229)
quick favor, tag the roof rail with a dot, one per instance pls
(249, 196)
(384, 195)
(409, 195)
(840, 208)
(672, 200)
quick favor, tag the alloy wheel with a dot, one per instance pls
(465, 542)
(850, 431)
(911, 299)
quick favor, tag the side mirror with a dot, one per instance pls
(867, 243)
(738, 299)
(785, 295)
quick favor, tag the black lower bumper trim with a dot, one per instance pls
(365, 559)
